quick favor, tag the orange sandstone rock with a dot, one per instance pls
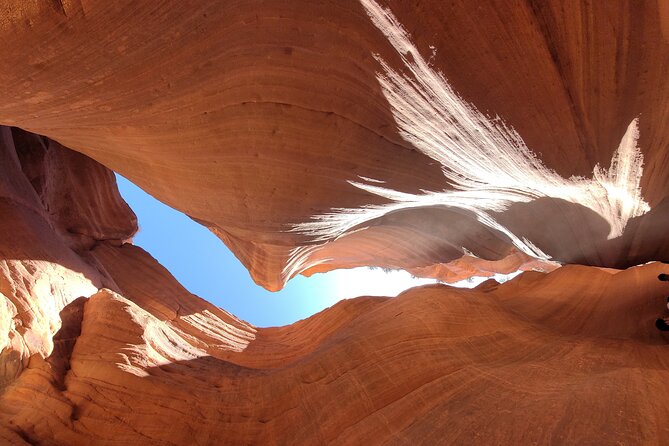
(317, 135)
(254, 118)
(571, 356)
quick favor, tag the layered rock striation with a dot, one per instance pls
(449, 139)
(101, 345)
(264, 114)
(56, 204)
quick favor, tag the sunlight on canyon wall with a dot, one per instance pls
(486, 164)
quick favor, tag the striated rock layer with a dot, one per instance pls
(567, 357)
(446, 138)
(101, 345)
(55, 204)
(254, 118)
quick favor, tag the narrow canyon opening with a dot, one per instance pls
(207, 268)
(320, 151)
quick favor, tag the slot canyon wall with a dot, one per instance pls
(450, 139)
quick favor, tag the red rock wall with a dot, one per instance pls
(101, 345)
(253, 117)
(40, 272)
(261, 112)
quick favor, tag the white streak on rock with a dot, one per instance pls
(487, 164)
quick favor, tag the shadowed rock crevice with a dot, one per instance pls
(65, 339)
(58, 174)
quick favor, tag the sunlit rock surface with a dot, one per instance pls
(449, 139)
(254, 119)
(54, 204)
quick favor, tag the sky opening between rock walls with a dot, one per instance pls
(206, 267)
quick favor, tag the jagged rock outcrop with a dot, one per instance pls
(54, 203)
(317, 135)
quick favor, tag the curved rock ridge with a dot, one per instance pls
(488, 165)
(101, 345)
(572, 356)
(257, 123)
(449, 139)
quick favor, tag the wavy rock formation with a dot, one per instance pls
(567, 357)
(265, 113)
(449, 139)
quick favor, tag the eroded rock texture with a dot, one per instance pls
(566, 357)
(316, 135)
(263, 112)
(55, 205)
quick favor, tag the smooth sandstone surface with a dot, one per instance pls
(253, 117)
(101, 345)
(318, 135)
(571, 356)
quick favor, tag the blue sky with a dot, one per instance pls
(206, 267)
